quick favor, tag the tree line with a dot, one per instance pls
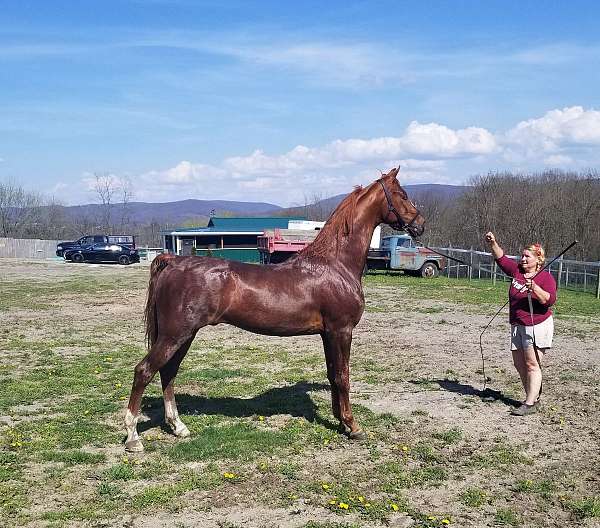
(550, 207)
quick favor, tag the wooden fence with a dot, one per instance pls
(27, 248)
(569, 274)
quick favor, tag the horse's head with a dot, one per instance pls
(397, 210)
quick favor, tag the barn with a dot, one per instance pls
(231, 238)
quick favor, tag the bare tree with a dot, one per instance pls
(19, 210)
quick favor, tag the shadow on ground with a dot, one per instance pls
(487, 395)
(291, 399)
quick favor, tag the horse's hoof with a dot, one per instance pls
(134, 446)
(178, 428)
(357, 435)
(181, 432)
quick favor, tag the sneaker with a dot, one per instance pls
(524, 410)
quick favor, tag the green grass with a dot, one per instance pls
(480, 292)
(500, 456)
(72, 457)
(474, 497)
(585, 508)
(450, 436)
(236, 441)
(507, 517)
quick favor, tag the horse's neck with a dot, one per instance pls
(353, 252)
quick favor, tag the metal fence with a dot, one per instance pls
(27, 248)
(569, 274)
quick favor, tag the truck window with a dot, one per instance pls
(404, 243)
(86, 241)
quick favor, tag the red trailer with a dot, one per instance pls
(280, 244)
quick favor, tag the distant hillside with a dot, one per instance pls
(417, 193)
(176, 212)
(180, 212)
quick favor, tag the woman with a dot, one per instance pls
(531, 295)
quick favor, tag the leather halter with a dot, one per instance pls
(400, 225)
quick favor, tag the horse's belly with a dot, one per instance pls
(276, 322)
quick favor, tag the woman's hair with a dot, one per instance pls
(539, 253)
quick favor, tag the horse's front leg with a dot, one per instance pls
(339, 342)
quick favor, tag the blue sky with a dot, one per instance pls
(283, 102)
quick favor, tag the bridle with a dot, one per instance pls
(400, 225)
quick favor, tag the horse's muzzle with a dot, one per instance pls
(415, 230)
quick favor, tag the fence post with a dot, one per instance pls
(560, 266)
(494, 273)
(471, 264)
(598, 283)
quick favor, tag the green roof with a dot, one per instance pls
(253, 222)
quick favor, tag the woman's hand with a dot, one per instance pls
(537, 291)
(497, 251)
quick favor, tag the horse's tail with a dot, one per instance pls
(150, 319)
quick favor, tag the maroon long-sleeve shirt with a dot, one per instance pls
(519, 305)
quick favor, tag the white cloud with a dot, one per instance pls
(557, 129)
(426, 153)
(558, 160)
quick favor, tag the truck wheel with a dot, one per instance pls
(429, 270)
(77, 257)
(124, 259)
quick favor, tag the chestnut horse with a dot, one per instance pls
(317, 291)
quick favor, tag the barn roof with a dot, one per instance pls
(239, 225)
(253, 222)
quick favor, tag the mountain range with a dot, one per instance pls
(186, 211)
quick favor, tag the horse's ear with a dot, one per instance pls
(394, 172)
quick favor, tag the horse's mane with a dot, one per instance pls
(339, 225)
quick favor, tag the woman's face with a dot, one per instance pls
(528, 261)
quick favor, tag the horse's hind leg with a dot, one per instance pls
(158, 355)
(167, 377)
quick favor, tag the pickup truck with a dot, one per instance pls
(399, 252)
(88, 240)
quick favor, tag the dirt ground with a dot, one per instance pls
(425, 355)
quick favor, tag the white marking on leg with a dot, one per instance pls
(133, 442)
(172, 418)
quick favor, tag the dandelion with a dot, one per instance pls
(431, 518)
(125, 460)
(261, 418)
(86, 412)
(394, 506)
(108, 358)
(228, 475)
(405, 448)
(325, 486)
(446, 521)
(326, 441)
(332, 502)
(343, 505)
(367, 504)
(118, 385)
(361, 499)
